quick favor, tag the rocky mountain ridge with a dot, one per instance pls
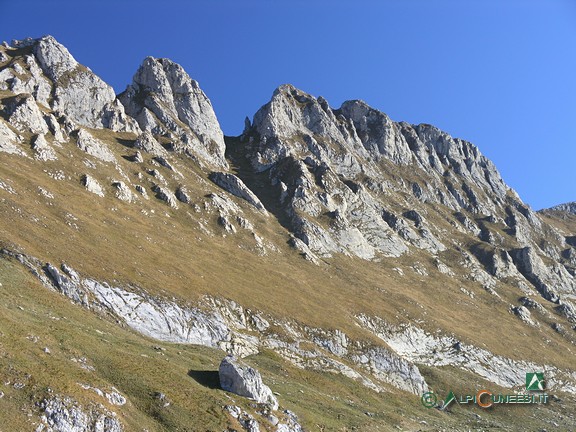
(569, 207)
(346, 183)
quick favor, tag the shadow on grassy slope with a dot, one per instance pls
(209, 379)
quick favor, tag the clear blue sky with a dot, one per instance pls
(499, 73)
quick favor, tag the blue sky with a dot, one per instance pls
(499, 73)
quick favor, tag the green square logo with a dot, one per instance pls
(535, 381)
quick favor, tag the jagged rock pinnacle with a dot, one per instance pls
(165, 100)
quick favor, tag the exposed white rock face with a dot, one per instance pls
(52, 76)
(146, 142)
(394, 369)
(9, 140)
(524, 314)
(63, 414)
(502, 266)
(416, 345)
(55, 60)
(246, 420)
(94, 147)
(235, 186)
(566, 207)
(92, 185)
(28, 80)
(55, 128)
(77, 91)
(225, 326)
(293, 114)
(291, 424)
(325, 161)
(550, 281)
(379, 135)
(123, 192)
(24, 114)
(241, 379)
(42, 150)
(67, 283)
(165, 100)
(356, 133)
(155, 318)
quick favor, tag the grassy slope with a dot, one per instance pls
(33, 317)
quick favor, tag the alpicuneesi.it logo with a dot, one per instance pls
(486, 398)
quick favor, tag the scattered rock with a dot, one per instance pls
(146, 142)
(94, 147)
(92, 185)
(164, 162)
(568, 310)
(226, 224)
(523, 313)
(63, 414)
(532, 304)
(46, 194)
(42, 150)
(123, 192)
(137, 157)
(115, 398)
(246, 420)
(165, 195)
(290, 424)
(141, 190)
(241, 379)
(183, 195)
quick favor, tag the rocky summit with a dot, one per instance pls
(328, 269)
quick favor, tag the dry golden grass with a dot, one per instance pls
(165, 253)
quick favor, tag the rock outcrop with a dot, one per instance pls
(94, 147)
(9, 140)
(42, 150)
(550, 281)
(63, 414)
(241, 379)
(23, 113)
(123, 191)
(565, 208)
(323, 161)
(417, 345)
(92, 185)
(147, 143)
(232, 184)
(59, 81)
(166, 101)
